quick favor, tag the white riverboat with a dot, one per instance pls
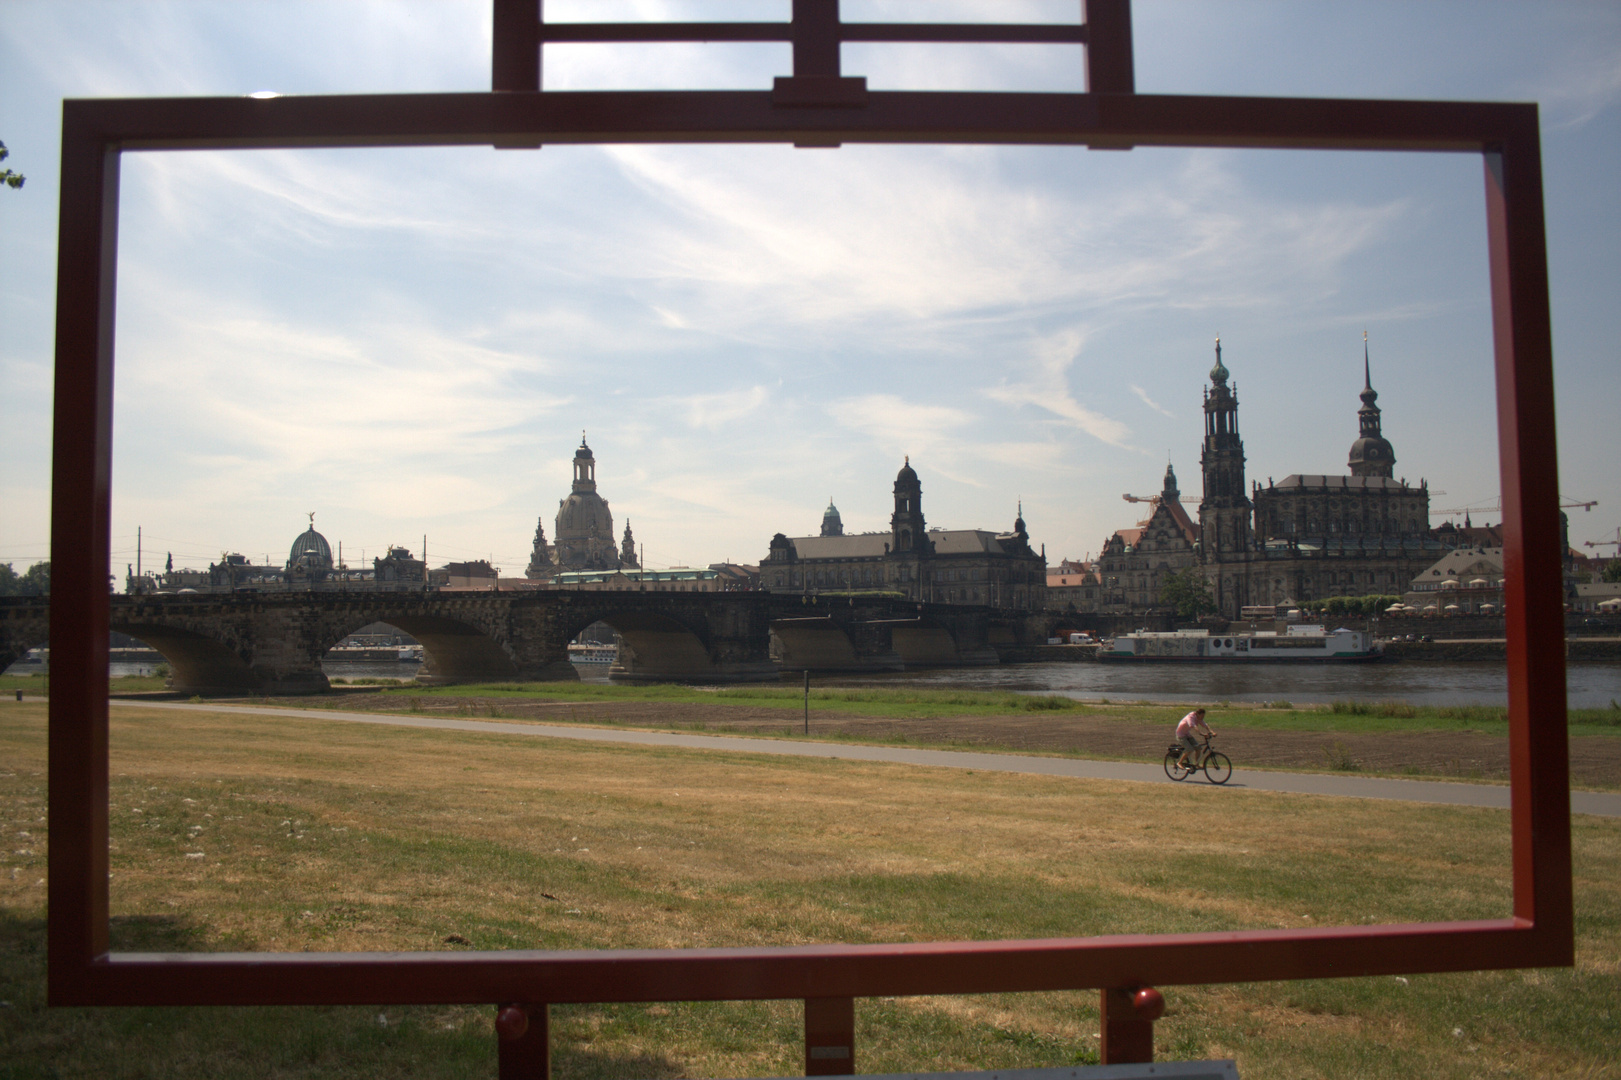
(593, 653)
(1296, 645)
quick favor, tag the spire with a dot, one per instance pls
(1369, 394)
(1371, 454)
(1219, 373)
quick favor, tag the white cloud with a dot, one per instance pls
(1150, 402)
(1046, 386)
(904, 428)
(711, 411)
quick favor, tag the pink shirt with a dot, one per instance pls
(1185, 727)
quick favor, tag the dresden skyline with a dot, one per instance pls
(409, 341)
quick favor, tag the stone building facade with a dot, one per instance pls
(951, 566)
(1310, 536)
(1134, 563)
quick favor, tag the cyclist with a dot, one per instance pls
(1186, 729)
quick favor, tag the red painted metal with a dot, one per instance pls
(1127, 1016)
(95, 133)
(523, 1042)
(830, 1036)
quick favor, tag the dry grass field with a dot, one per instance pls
(284, 834)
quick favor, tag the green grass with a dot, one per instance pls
(876, 701)
(1344, 716)
(39, 685)
(339, 837)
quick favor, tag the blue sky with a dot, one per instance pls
(409, 342)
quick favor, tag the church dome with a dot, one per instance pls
(311, 549)
(907, 474)
(584, 514)
(1373, 451)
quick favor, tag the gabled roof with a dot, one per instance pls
(1464, 562)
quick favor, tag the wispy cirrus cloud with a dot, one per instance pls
(1142, 395)
(1046, 387)
(712, 411)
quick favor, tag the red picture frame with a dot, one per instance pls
(815, 107)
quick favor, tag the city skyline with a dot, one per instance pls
(409, 341)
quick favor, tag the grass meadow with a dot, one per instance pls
(258, 833)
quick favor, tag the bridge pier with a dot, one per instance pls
(647, 656)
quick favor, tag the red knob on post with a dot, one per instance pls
(512, 1022)
(1148, 1003)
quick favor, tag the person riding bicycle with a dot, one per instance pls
(1187, 729)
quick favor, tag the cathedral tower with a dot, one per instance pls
(1371, 454)
(907, 532)
(1224, 512)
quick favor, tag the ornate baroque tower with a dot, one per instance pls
(539, 561)
(1371, 454)
(585, 527)
(1225, 511)
(627, 550)
(907, 532)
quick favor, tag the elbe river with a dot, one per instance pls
(1589, 685)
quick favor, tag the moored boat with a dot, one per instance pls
(1299, 644)
(591, 653)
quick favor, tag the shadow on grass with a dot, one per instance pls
(38, 1042)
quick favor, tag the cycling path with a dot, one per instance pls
(1602, 804)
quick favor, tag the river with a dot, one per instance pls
(1589, 685)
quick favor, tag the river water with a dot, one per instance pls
(1589, 685)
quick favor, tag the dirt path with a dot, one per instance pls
(1595, 761)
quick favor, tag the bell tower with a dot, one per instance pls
(1371, 454)
(907, 532)
(1225, 511)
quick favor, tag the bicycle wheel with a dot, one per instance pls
(1174, 767)
(1218, 768)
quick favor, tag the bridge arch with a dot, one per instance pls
(24, 625)
(654, 646)
(198, 663)
(453, 650)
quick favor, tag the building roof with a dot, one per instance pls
(310, 546)
(1179, 514)
(875, 545)
(1321, 481)
(1462, 564)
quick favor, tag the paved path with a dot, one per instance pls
(1602, 804)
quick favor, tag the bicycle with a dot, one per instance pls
(1218, 767)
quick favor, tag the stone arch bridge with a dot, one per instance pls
(258, 643)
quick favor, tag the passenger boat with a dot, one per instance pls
(1297, 645)
(591, 653)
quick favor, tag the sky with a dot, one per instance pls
(409, 343)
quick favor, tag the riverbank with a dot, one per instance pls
(1377, 739)
(1597, 650)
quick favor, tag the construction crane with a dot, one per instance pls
(1616, 543)
(1496, 506)
(1141, 498)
